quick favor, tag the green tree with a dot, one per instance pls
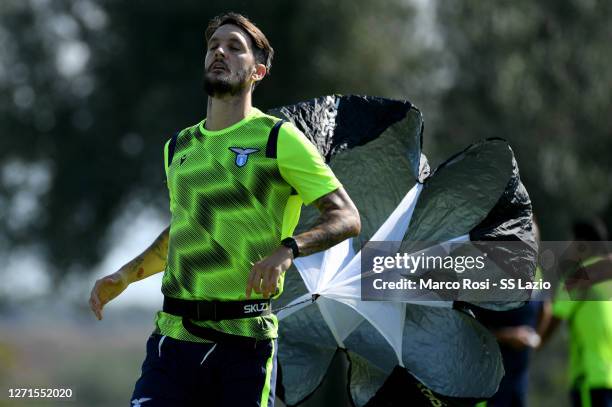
(91, 91)
(537, 74)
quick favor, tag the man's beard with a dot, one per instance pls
(227, 84)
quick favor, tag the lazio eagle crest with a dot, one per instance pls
(242, 155)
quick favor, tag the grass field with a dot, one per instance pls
(100, 361)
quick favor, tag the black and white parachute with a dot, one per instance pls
(374, 147)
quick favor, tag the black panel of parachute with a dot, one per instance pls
(479, 192)
(374, 146)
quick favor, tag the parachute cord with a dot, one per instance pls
(311, 300)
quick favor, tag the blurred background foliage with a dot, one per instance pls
(90, 91)
(537, 74)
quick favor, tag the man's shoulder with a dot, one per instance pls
(260, 118)
(190, 130)
(288, 134)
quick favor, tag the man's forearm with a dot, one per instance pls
(151, 261)
(550, 329)
(339, 220)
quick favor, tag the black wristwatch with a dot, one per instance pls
(292, 244)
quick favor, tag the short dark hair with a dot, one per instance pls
(262, 49)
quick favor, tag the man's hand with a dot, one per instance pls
(338, 220)
(518, 337)
(151, 261)
(266, 273)
(106, 289)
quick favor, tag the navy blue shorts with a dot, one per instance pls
(594, 398)
(180, 373)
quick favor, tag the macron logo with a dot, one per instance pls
(251, 308)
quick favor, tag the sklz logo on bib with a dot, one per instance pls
(250, 308)
(242, 155)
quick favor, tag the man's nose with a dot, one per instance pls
(219, 52)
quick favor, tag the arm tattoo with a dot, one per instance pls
(135, 264)
(160, 245)
(157, 252)
(338, 221)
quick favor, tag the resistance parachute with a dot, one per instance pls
(374, 147)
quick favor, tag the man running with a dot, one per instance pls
(236, 181)
(584, 302)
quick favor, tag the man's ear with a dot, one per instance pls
(260, 72)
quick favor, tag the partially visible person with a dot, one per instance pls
(518, 333)
(589, 319)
